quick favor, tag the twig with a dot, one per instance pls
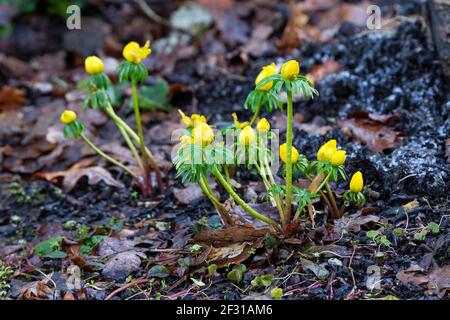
(126, 286)
(152, 14)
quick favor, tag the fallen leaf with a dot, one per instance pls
(11, 97)
(437, 281)
(411, 205)
(189, 194)
(376, 135)
(231, 254)
(233, 28)
(318, 72)
(231, 235)
(217, 5)
(122, 265)
(71, 176)
(320, 271)
(373, 281)
(109, 246)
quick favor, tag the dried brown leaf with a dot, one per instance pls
(71, 176)
(376, 135)
(11, 97)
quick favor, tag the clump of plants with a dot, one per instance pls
(206, 153)
(133, 72)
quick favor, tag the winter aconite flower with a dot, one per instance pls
(68, 116)
(263, 125)
(357, 182)
(134, 53)
(93, 65)
(266, 71)
(327, 150)
(283, 154)
(338, 158)
(193, 120)
(290, 69)
(186, 140)
(247, 136)
(237, 124)
(202, 134)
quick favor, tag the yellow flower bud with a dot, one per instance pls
(290, 69)
(263, 125)
(197, 118)
(193, 120)
(202, 134)
(247, 136)
(68, 116)
(357, 182)
(326, 151)
(93, 65)
(283, 154)
(338, 158)
(186, 140)
(237, 124)
(187, 121)
(134, 53)
(266, 71)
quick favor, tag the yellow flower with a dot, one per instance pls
(193, 120)
(203, 134)
(290, 69)
(263, 125)
(197, 118)
(338, 158)
(237, 124)
(357, 182)
(283, 154)
(266, 71)
(68, 116)
(326, 151)
(247, 136)
(186, 140)
(134, 53)
(93, 65)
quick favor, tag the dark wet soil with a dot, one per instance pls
(394, 71)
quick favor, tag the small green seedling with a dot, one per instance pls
(276, 293)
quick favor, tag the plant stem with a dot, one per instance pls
(242, 203)
(289, 156)
(131, 147)
(255, 116)
(104, 155)
(137, 114)
(204, 185)
(119, 122)
(227, 174)
(324, 182)
(333, 201)
(278, 201)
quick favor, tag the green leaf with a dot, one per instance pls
(372, 234)
(237, 274)
(212, 268)
(50, 248)
(420, 236)
(155, 97)
(263, 280)
(158, 271)
(198, 283)
(434, 227)
(276, 293)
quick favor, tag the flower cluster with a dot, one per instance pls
(202, 155)
(98, 97)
